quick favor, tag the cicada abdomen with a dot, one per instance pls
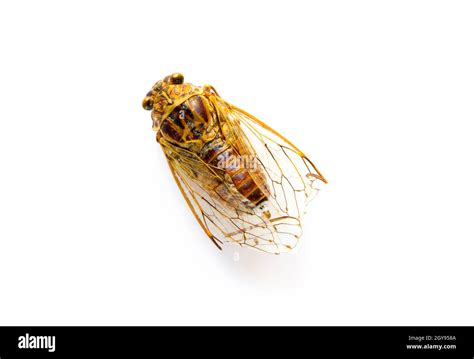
(243, 181)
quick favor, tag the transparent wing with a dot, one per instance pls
(220, 209)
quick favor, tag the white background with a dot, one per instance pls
(378, 93)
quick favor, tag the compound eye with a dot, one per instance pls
(158, 86)
(177, 78)
(147, 103)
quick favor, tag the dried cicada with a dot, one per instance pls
(244, 182)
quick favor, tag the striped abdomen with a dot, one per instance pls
(248, 181)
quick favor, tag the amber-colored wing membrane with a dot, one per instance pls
(291, 182)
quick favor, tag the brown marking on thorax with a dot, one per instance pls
(189, 121)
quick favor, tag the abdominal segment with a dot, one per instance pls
(248, 181)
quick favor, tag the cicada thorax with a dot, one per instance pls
(190, 124)
(166, 98)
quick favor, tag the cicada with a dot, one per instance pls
(243, 181)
